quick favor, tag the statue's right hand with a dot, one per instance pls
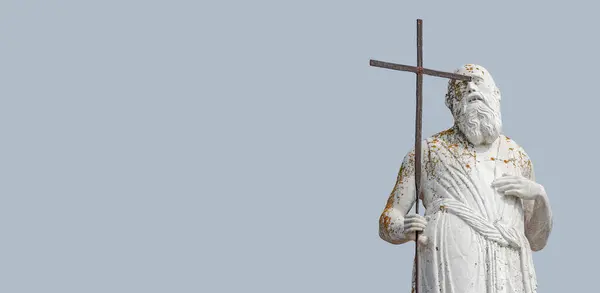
(415, 223)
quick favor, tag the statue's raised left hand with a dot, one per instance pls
(518, 186)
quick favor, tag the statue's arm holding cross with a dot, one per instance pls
(396, 225)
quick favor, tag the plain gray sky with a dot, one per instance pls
(247, 146)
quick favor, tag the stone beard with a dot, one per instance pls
(484, 212)
(480, 123)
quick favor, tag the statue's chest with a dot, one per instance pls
(495, 162)
(490, 162)
(486, 165)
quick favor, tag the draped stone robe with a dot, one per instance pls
(478, 239)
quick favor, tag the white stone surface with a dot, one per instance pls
(485, 213)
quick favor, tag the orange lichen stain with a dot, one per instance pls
(386, 221)
(492, 158)
(390, 203)
(468, 166)
(506, 161)
(445, 132)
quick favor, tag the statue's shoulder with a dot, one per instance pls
(513, 145)
(448, 135)
(519, 154)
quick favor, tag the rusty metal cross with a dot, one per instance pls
(420, 71)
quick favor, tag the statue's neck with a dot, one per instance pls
(488, 148)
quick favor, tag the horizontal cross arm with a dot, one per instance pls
(414, 69)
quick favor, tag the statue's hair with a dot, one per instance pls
(452, 93)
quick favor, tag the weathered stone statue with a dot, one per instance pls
(485, 213)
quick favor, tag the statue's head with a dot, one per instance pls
(475, 105)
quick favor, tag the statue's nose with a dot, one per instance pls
(470, 88)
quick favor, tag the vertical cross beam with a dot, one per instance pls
(418, 131)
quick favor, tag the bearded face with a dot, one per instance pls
(475, 105)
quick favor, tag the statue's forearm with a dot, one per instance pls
(391, 228)
(539, 225)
